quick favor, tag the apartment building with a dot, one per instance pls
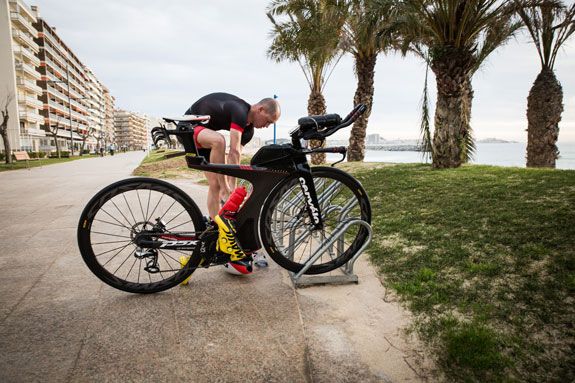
(130, 130)
(19, 75)
(64, 83)
(108, 134)
(55, 96)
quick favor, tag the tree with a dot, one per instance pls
(84, 134)
(496, 34)
(455, 37)
(309, 34)
(550, 23)
(5, 116)
(369, 30)
(53, 130)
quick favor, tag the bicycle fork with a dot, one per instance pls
(310, 196)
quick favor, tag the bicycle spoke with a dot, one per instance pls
(158, 204)
(181, 224)
(114, 218)
(129, 208)
(166, 224)
(148, 207)
(110, 223)
(122, 264)
(173, 203)
(127, 275)
(122, 214)
(115, 255)
(109, 251)
(112, 235)
(141, 207)
(104, 243)
(168, 255)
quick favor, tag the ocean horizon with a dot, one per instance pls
(512, 154)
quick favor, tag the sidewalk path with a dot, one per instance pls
(58, 322)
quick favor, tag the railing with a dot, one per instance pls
(22, 21)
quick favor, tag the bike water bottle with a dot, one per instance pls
(234, 202)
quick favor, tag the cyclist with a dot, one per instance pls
(231, 113)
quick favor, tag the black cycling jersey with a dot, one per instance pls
(226, 112)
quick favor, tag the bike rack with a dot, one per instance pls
(300, 279)
(288, 218)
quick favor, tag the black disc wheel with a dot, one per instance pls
(287, 231)
(117, 215)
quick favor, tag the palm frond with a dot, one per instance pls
(539, 18)
(425, 130)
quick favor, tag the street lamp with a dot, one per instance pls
(275, 96)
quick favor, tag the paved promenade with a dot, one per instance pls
(59, 323)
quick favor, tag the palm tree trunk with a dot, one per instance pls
(316, 107)
(365, 71)
(544, 108)
(452, 69)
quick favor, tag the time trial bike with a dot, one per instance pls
(132, 233)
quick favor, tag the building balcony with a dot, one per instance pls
(28, 70)
(66, 112)
(47, 36)
(30, 117)
(24, 39)
(36, 132)
(28, 86)
(24, 53)
(30, 101)
(55, 55)
(20, 20)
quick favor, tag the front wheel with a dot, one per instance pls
(287, 231)
(112, 220)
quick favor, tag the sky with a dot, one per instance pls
(158, 57)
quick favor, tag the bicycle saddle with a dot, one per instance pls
(188, 118)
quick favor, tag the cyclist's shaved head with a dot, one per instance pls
(271, 106)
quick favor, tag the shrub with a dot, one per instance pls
(86, 151)
(2, 156)
(65, 153)
(42, 154)
(33, 154)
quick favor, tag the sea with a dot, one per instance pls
(511, 154)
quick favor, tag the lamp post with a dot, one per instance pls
(275, 97)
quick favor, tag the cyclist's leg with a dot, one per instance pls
(216, 143)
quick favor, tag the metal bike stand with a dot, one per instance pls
(300, 279)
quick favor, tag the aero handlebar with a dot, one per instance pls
(357, 111)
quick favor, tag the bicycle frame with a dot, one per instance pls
(264, 180)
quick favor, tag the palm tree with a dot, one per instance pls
(369, 30)
(456, 36)
(550, 24)
(497, 33)
(309, 34)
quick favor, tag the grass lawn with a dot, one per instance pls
(40, 162)
(485, 259)
(483, 256)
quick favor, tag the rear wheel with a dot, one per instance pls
(116, 215)
(287, 231)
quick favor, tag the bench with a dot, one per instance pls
(23, 156)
